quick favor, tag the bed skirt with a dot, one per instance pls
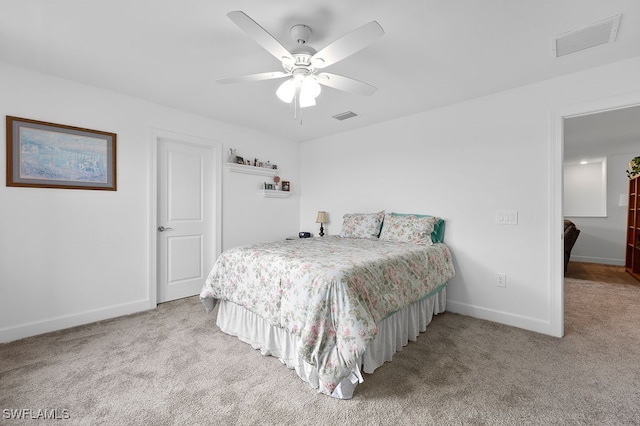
(394, 332)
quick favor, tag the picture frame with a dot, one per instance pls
(239, 160)
(286, 185)
(48, 155)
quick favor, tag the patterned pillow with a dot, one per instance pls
(408, 229)
(360, 225)
(437, 236)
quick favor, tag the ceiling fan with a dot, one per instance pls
(304, 65)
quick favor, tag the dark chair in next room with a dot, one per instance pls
(570, 236)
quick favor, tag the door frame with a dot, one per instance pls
(216, 147)
(556, 190)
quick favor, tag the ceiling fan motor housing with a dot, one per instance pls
(303, 53)
(300, 33)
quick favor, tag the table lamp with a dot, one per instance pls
(322, 219)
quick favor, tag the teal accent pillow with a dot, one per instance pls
(437, 236)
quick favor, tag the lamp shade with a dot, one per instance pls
(286, 91)
(306, 87)
(306, 101)
(310, 86)
(322, 217)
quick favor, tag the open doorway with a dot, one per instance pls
(600, 144)
(624, 109)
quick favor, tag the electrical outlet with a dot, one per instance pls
(501, 280)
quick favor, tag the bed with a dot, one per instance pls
(334, 306)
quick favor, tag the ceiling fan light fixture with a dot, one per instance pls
(306, 100)
(310, 87)
(286, 91)
(303, 63)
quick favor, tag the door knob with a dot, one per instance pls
(162, 228)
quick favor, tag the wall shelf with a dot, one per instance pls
(271, 193)
(251, 170)
(632, 260)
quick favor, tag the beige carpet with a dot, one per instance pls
(173, 366)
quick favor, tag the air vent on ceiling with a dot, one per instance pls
(345, 115)
(596, 34)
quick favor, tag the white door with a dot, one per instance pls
(185, 225)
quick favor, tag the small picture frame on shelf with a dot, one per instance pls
(286, 186)
(239, 160)
(268, 186)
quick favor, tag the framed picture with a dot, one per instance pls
(239, 160)
(286, 186)
(47, 155)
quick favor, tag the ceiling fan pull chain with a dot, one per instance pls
(297, 111)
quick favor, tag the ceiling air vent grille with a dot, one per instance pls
(345, 115)
(597, 34)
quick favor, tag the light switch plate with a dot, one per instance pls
(507, 217)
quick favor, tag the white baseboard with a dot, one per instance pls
(600, 260)
(20, 331)
(507, 318)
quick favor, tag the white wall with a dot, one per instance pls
(463, 162)
(68, 257)
(603, 239)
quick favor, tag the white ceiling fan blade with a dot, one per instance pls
(259, 34)
(345, 83)
(348, 45)
(253, 77)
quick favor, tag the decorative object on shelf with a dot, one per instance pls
(232, 156)
(48, 155)
(239, 160)
(276, 179)
(322, 219)
(268, 186)
(286, 186)
(634, 167)
(274, 166)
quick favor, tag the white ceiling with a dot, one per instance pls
(433, 53)
(602, 134)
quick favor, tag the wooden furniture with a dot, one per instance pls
(632, 262)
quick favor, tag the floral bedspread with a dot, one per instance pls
(329, 291)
